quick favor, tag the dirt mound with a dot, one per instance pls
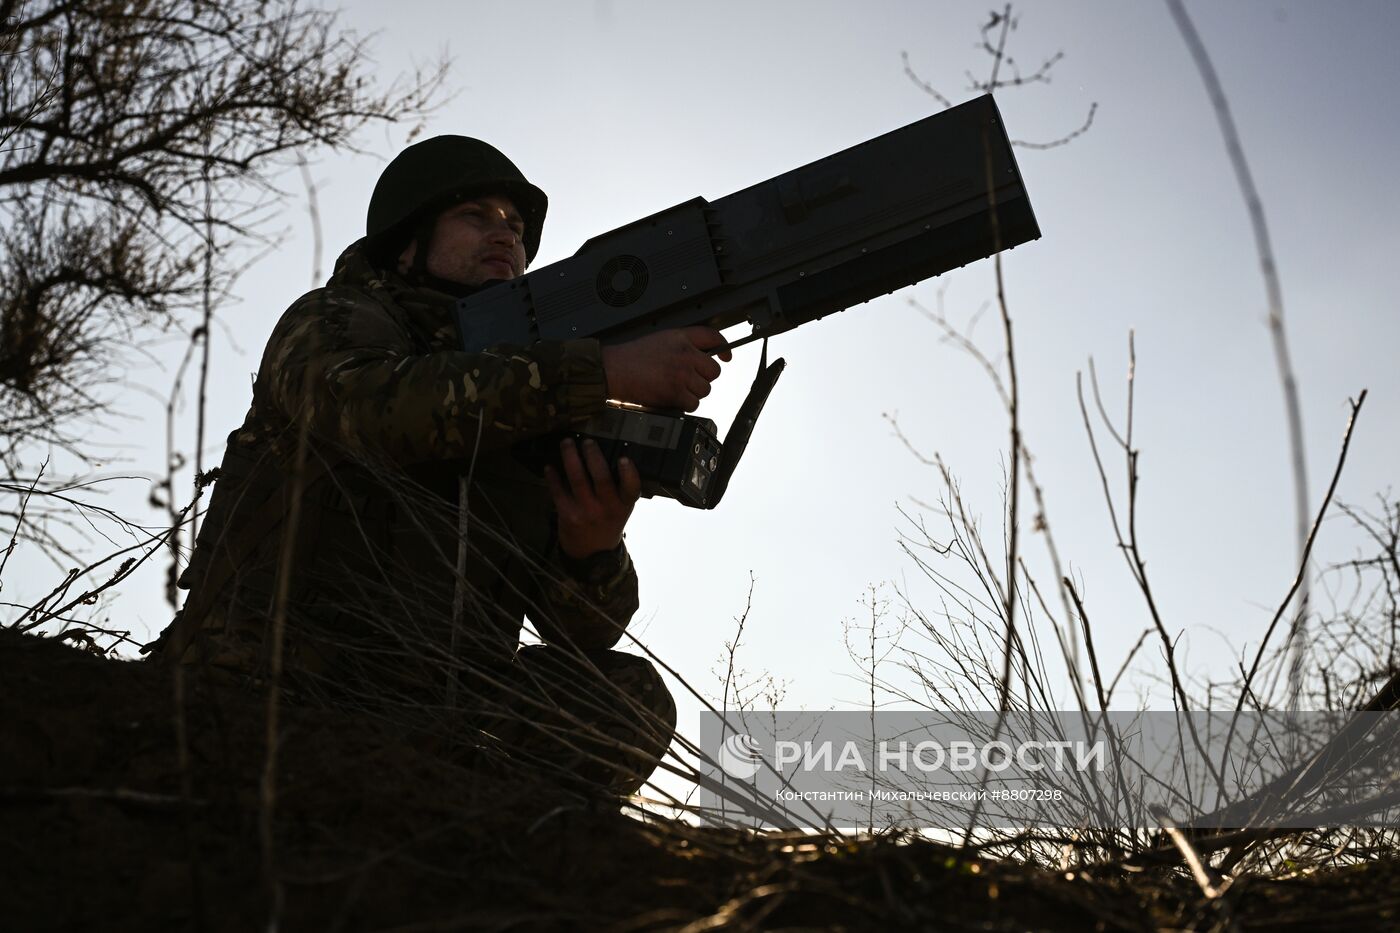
(376, 827)
(373, 826)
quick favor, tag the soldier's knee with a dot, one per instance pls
(620, 679)
(637, 678)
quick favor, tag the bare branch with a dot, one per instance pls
(1274, 292)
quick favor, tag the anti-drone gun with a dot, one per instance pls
(894, 210)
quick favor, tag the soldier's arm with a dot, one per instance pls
(589, 592)
(356, 370)
(588, 603)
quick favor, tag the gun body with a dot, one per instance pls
(868, 220)
(889, 212)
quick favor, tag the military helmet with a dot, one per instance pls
(436, 173)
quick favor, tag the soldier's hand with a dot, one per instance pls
(667, 369)
(593, 508)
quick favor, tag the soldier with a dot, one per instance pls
(372, 519)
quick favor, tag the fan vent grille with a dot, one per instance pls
(622, 280)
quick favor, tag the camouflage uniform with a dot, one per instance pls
(395, 414)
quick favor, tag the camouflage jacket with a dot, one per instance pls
(395, 416)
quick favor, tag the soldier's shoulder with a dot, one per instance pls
(333, 308)
(333, 300)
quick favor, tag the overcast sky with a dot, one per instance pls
(618, 109)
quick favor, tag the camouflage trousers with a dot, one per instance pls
(604, 718)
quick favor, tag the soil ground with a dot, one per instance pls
(373, 829)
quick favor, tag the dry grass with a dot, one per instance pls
(383, 829)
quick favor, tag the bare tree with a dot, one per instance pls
(140, 142)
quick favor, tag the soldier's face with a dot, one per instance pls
(475, 241)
